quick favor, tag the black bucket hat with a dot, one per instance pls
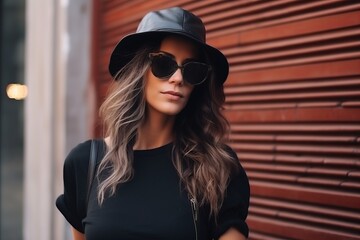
(157, 24)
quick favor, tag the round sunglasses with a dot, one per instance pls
(164, 66)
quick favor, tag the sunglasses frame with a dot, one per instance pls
(182, 67)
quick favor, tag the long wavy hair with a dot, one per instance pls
(200, 155)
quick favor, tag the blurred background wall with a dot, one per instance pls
(58, 107)
(12, 40)
(292, 99)
(46, 108)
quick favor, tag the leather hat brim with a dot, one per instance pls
(128, 46)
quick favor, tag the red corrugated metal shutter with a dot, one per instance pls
(293, 101)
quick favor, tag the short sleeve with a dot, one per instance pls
(234, 210)
(72, 202)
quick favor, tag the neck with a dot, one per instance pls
(156, 131)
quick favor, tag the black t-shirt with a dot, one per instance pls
(153, 205)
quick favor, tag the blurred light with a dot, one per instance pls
(16, 91)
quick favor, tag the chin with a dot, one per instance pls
(167, 108)
(171, 112)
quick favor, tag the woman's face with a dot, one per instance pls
(170, 95)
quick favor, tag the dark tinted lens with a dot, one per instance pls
(163, 66)
(195, 72)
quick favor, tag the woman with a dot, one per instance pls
(165, 171)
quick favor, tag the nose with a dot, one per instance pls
(177, 77)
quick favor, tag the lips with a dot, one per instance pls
(173, 93)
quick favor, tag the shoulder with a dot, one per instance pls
(77, 161)
(72, 202)
(78, 157)
(234, 210)
(238, 169)
(238, 182)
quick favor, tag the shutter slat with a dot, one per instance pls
(293, 42)
(296, 127)
(293, 51)
(286, 96)
(299, 217)
(326, 197)
(330, 172)
(300, 72)
(297, 148)
(318, 181)
(292, 114)
(297, 61)
(297, 231)
(294, 138)
(308, 85)
(305, 208)
(350, 162)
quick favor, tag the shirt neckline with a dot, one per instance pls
(154, 151)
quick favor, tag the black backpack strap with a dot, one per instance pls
(92, 167)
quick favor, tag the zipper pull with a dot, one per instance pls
(194, 207)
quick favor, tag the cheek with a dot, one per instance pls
(149, 83)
